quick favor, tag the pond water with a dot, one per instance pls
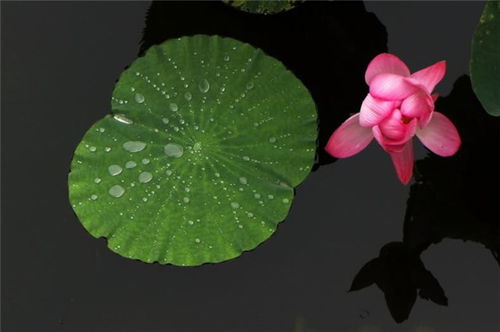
(440, 234)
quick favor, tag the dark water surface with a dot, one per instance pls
(59, 64)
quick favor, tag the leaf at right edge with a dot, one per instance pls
(485, 58)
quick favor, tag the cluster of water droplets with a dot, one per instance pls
(191, 116)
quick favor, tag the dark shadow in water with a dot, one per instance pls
(455, 198)
(327, 45)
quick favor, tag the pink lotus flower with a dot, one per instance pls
(398, 107)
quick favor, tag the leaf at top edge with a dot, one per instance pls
(265, 7)
(485, 58)
(198, 163)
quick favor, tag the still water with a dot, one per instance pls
(427, 252)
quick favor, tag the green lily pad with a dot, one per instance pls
(198, 163)
(263, 6)
(485, 59)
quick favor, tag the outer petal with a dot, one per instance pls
(391, 87)
(385, 63)
(429, 76)
(417, 105)
(440, 136)
(349, 139)
(424, 120)
(403, 162)
(373, 111)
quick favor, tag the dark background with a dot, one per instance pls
(59, 64)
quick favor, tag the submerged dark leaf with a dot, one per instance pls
(366, 276)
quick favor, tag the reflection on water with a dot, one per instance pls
(455, 197)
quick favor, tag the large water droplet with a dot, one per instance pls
(165, 120)
(272, 139)
(93, 197)
(188, 96)
(97, 180)
(145, 177)
(186, 199)
(122, 118)
(114, 170)
(250, 85)
(134, 146)
(139, 98)
(243, 180)
(235, 205)
(173, 107)
(116, 191)
(204, 86)
(174, 150)
(130, 164)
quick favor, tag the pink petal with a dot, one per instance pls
(429, 76)
(349, 139)
(435, 96)
(394, 129)
(417, 105)
(374, 110)
(440, 136)
(391, 87)
(403, 162)
(387, 144)
(424, 120)
(378, 136)
(385, 63)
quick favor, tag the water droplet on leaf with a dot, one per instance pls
(130, 164)
(139, 98)
(134, 146)
(197, 146)
(204, 86)
(145, 177)
(122, 118)
(114, 170)
(116, 191)
(174, 107)
(173, 150)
